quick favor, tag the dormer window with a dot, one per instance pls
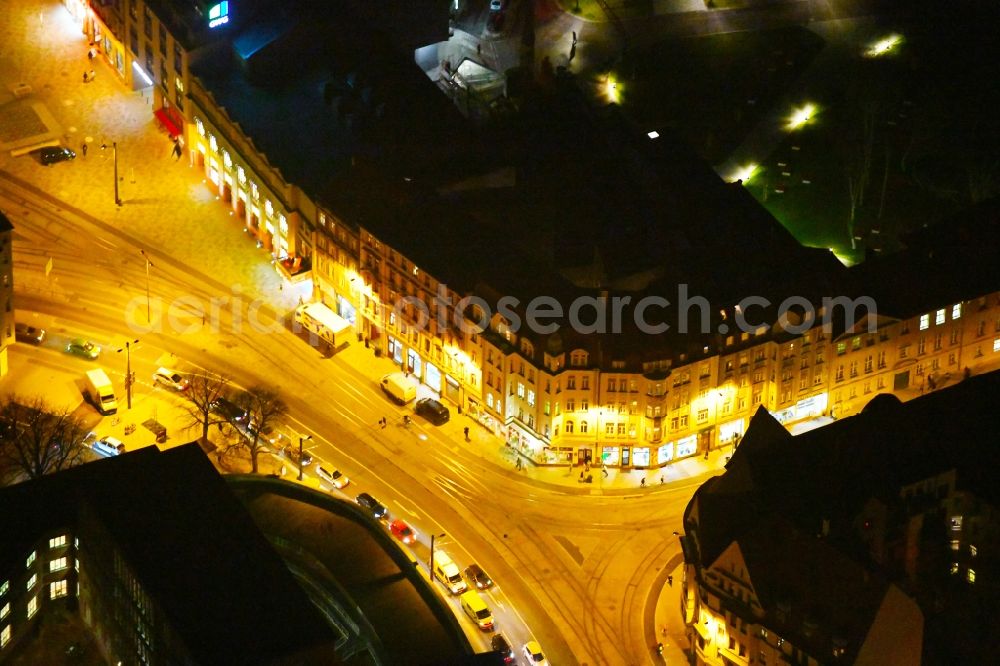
(578, 358)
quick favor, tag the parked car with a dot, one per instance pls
(171, 379)
(84, 348)
(500, 645)
(402, 531)
(373, 505)
(533, 653)
(29, 334)
(108, 447)
(292, 453)
(52, 154)
(478, 577)
(433, 411)
(496, 5)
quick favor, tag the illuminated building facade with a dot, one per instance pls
(6, 289)
(872, 540)
(633, 401)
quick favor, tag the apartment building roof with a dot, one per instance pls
(190, 543)
(5, 223)
(315, 85)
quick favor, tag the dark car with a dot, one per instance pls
(53, 154)
(29, 334)
(478, 577)
(433, 411)
(373, 505)
(500, 645)
(229, 410)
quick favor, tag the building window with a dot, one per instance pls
(32, 607)
(569, 427)
(956, 523)
(57, 564)
(531, 398)
(30, 560)
(954, 568)
(32, 581)
(4, 587)
(702, 415)
(5, 611)
(925, 321)
(956, 311)
(956, 544)
(970, 576)
(939, 317)
(583, 426)
(58, 589)
(973, 551)
(5, 636)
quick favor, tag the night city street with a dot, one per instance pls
(680, 319)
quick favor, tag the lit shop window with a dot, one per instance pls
(57, 542)
(58, 589)
(925, 321)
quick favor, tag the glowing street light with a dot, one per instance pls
(743, 173)
(801, 116)
(883, 46)
(612, 89)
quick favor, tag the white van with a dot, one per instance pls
(477, 610)
(399, 387)
(447, 572)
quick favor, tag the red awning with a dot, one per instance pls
(164, 118)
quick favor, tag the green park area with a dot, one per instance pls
(898, 132)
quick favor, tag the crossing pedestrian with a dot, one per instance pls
(83, 148)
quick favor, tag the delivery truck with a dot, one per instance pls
(100, 392)
(400, 388)
(322, 323)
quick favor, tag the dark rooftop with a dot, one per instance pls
(191, 544)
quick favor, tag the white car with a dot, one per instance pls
(533, 653)
(496, 5)
(171, 379)
(108, 447)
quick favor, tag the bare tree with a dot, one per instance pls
(264, 408)
(201, 394)
(35, 440)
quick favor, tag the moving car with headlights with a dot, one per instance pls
(229, 410)
(83, 348)
(447, 572)
(373, 505)
(478, 577)
(402, 531)
(533, 653)
(334, 478)
(477, 610)
(29, 334)
(501, 646)
(171, 379)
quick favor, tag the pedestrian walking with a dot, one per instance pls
(466, 431)
(574, 38)
(177, 151)
(670, 581)
(85, 79)
(604, 471)
(83, 148)
(581, 476)
(479, 49)
(642, 483)
(92, 53)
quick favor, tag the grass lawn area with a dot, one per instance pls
(712, 90)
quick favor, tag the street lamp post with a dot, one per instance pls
(114, 149)
(148, 264)
(129, 375)
(431, 567)
(302, 439)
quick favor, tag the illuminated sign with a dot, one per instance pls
(218, 14)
